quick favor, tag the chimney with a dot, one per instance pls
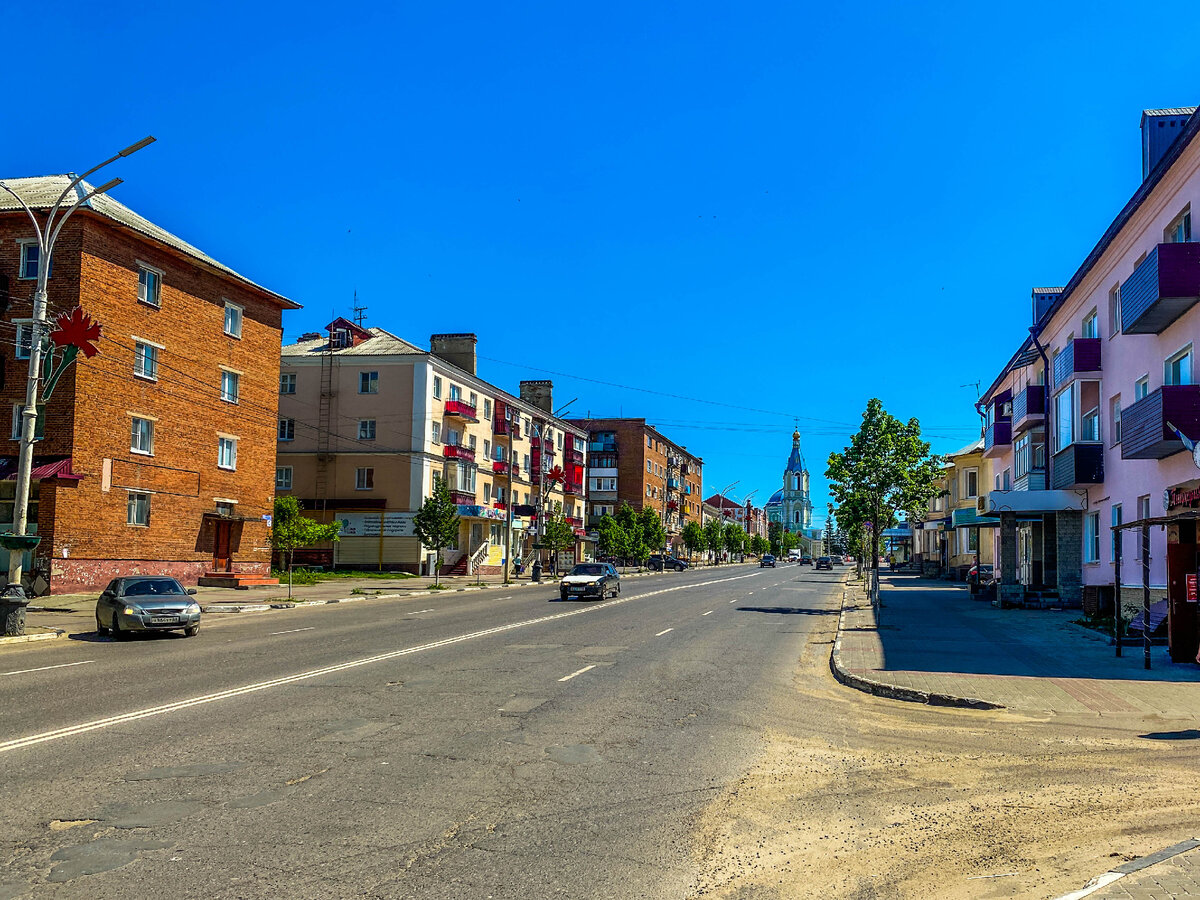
(1160, 128)
(539, 394)
(456, 349)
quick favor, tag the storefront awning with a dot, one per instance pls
(968, 518)
(43, 469)
(1034, 501)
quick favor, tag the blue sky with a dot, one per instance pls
(785, 208)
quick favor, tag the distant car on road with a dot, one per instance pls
(596, 579)
(659, 561)
(146, 603)
(824, 562)
(806, 560)
(767, 560)
(974, 571)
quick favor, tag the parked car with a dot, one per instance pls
(974, 572)
(824, 562)
(660, 561)
(146, 603)
(767, 560)
(596, 579)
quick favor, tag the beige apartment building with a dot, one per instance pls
(368, 421)
(952, 529)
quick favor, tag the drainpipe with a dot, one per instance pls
(1033, 333)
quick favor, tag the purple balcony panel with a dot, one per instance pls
(1029, 407)
(996, 438)
(1080, 355)
(1148, 427)
(1161, 289)
(1078, 465)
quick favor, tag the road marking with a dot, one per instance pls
(734, 601)
(580, 672)
(664, 631)
(709, 613)
(148, 712)
(292, 631)
(419, 611)
(44, 668)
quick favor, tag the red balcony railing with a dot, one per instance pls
(570, 487)
(462, 498)
(576, 457)
(574, 521)
(500, 467)
(457, 451)
(501, 425)
(461, 409)
(501, 505)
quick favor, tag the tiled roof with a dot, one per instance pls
(1173, 111)
(382, 343)
(41, 192)
(974, 447)
(1048, 290)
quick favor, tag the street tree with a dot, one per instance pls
(654, 535)
(759, 545)
(774, 535)
(611, 538)
(714, 533)
(436, 523)
(557, 535)
(788, 542)
(631, 524)
(291, 530)
(735, 538)
(693, 537)
(886, 469)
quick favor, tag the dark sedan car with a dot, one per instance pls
(767, 560)
(596, 579)
(146, 603)
(660, 561)
(824, 562)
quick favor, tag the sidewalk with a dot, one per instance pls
(937, 645)
(60, 615)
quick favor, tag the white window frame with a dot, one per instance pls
(437, 388)
(230, 377)
(1114, 416)
(487, 408)
(370, 379)
(366, 433)
(1115, 518)
(283, 483)
(227, 448)
(1091, 537)
(1091, 321)
(286, 430)
(1114, 309)
(143, 292)
(1182, 353)
(22, 269)
(133, 505)
(968, 493)
(135, 433)
(287, 380)
(1141, 388)
(39, 429)
(239, 312)
(139, 358)
(1182, 221)
(364, 478)
(435, 432)
(455, 391)
(23, 341)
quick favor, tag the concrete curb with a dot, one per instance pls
(26, 638)
(1134, 865)
(892, 691)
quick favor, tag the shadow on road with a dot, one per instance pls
(788, 610)
(1190, 734)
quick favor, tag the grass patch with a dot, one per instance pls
(357, 574)
(436, 587)
(299, 576)
(1103, 624)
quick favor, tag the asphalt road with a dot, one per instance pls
(467, 745)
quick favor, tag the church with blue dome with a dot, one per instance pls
(792, 506)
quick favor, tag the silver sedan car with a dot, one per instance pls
(146, 603)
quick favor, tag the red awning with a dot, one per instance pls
(43, 469)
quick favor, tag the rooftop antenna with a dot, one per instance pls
(360, 312)
(974, 384)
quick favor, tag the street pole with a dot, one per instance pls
(1117, 589)
(508, 506)
(46, 236)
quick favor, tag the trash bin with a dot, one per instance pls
(12, 610)
(537, 572)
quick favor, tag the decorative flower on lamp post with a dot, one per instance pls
(74, 332)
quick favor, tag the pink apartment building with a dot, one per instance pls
(1090, 424)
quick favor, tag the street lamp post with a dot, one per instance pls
(746, 513)
(46, 236)
(721, 494)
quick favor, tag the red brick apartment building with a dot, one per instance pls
(632, 462)
(158, 454)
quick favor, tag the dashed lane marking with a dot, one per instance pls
(664, 631)
(44, 668)
(709, 613)
(292, 631)
(573, 674)
(148, 712)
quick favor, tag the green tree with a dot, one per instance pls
(631, 524)
(714, 534)
(759, 545)
(693, 537)
(886, 469)
(654, 536)
(735, 538)
(775, 535)
(557, 535)
(788, 542)
(291, 530)
(612, 539)
(436, 523)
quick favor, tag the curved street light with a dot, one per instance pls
(46, 235)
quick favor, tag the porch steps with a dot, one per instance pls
(459, 567)
(238, 581)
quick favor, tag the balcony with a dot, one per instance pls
(672, 484)
(462, 498)
(1161, 289)
(1029, 408)
(572, 489)
(516, 430)
(1080, 357)
(1148, 427)
(602, 447)
(575, 457)
(574, 521)
(501, 425)
(499, 467)
(457, 451)
(1078, 465)
(460, 409)
(997, 438)
(501, 505)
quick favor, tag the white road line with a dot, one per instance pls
(96, 724)
(573, 674)
(709, 613)
(664, 631)
(44, 668)
(419, 611)
(734, 600)
(292, 631)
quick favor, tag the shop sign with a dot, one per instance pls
(1191, 588)
(390, 524)
(1182, 495)
(483, 512)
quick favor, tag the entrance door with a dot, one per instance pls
(221, 556)
(476, 535)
